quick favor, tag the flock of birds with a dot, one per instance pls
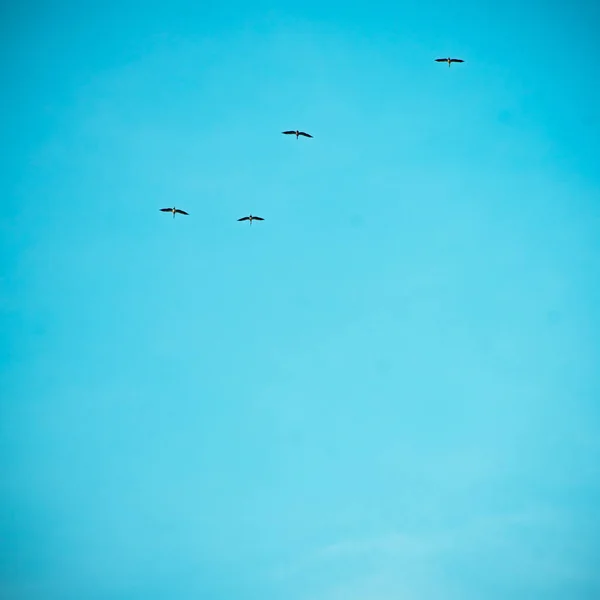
(250, 218)
(297, 133)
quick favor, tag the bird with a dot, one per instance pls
(174, 210)
(251, 218)
(296, 133)
(449, 60)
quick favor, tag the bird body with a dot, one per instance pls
(296, 133)
(174, 210)
(449, 60)
(251, 218)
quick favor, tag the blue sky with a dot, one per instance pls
(388, 389)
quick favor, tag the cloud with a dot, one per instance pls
(533, 551)
(392, 543)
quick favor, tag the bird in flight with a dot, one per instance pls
(449, 60)
(174, 210)
(296, 133)
(251, 218)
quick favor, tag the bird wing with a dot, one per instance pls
(244, 219)
(441, 60)
(456, 60)
(257, 219)
(182, 212)
(304, 134)
(288, 132)
(166, 209)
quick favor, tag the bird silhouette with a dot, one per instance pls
(296, 133)
(449, 60)
(251, 218)
(174, 210)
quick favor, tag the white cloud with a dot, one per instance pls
(535, 549)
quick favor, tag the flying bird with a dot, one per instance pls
(251, 218)
(449, 60)
(296, 133)
(174, 210)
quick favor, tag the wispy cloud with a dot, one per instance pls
(391, 543)
(522, 545)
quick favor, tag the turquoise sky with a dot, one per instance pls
(387, 390)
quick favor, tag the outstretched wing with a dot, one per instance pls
(166, 209)
(456, 60)
(257, 219)
(288, 132)
(304, 134)
(181, 212)
(441, 60)
(245, 219)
